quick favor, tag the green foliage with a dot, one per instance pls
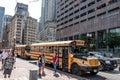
(113, 39)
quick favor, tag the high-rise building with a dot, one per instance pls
(2, 11)
(30, 31)
(90, 20)
(76, 18)
(21, 9)
(47, 15)
(6, 20)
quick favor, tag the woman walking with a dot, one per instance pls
(55, 59)
(43, 64)
(40, 65)
(8, 65)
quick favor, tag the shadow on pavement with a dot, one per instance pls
(56, 75)
(94, 77)
(60, 73)
(112, 72)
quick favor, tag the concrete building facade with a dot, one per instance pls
(2, 11)
(30, 31)
(47, 15)
(76, 18)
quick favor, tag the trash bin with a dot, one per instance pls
(33, 74)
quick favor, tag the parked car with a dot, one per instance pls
(106, 62)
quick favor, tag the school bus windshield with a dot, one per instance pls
(79, 50)
(27, 49)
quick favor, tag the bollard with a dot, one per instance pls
(33, 74)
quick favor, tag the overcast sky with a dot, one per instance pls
(34, 7)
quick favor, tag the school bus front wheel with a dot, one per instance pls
(76, 70)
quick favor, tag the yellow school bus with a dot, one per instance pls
(72, 56)
(22, 51)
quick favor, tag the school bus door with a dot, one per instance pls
(65, 59)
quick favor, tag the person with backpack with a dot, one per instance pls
(8, 65)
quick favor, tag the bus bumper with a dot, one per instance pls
(90, 69)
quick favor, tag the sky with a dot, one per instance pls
(34, 7)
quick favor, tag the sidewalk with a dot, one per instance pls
(21, 72)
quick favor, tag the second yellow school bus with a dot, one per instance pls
(72, 56)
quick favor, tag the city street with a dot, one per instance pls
(105, 75)
(24, 66)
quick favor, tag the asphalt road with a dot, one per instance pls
(105, 75)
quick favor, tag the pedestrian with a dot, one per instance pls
(4, 55)
(8, 66)
(43, 64)
(55, 59)
(40, 65)
(14, 56)
(1, 54)
(111, 55)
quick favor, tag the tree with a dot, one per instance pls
(113, 40)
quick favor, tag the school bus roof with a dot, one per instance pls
(57, 43)
(20, 45)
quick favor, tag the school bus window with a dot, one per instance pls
(52, 49)
(47, 49)
(78, 49)
(41, 48)
(37, 48)
(60, 50)
(32, 48)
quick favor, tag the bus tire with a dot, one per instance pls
(76, 70)
(93, 73)
(17, 55)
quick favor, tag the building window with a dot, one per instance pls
(71, 14)
(83, 1)
(91, 17)
(114, 9)
(76, 5)
(83, 14)
(70, 19)
(71, 3)
(90, 11)
(76, 23)
(76, 11)
(83, 7)
(70, 8)
(112, 1)
(76, 17)
(93, 2)
(83, 20)
(98, 0)
(101, 14)
(101, 6)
